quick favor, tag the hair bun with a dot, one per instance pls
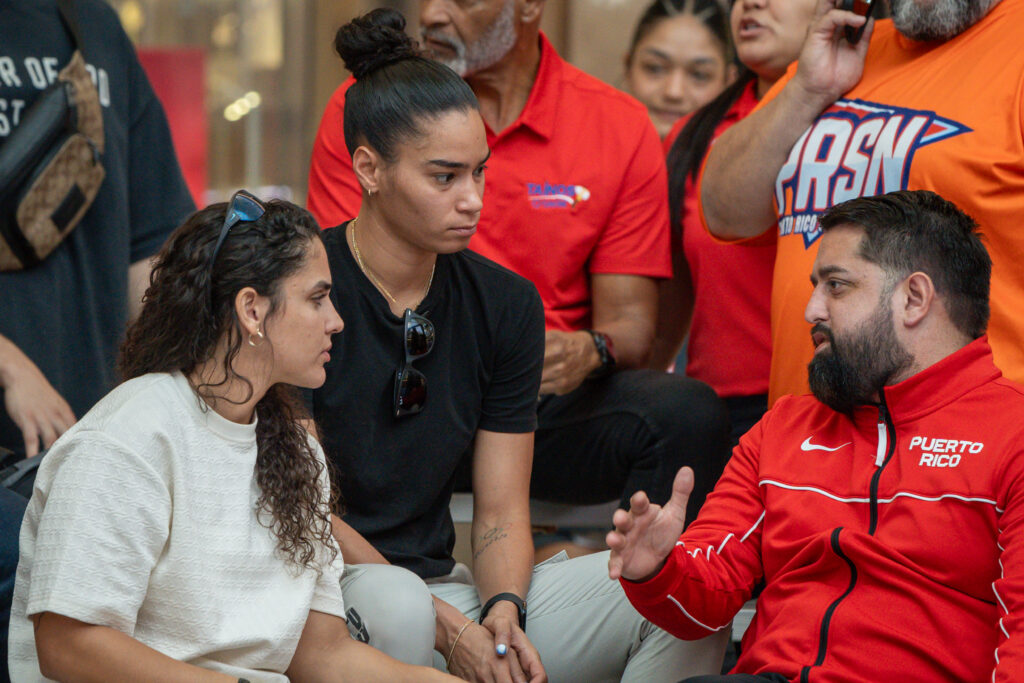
(373, 41)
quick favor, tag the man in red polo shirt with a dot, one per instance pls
(575, 202)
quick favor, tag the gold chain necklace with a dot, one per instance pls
(373, 278)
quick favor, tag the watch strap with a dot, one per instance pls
(603, 344)
(510, 597)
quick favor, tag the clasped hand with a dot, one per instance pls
(476, 655)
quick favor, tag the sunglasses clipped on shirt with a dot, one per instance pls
(411, 384)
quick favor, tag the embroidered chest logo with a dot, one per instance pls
(854, 149)
(807, 446)
(942, 452)
(555, 196)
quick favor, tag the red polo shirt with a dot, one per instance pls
(576, 185)
(730, 345)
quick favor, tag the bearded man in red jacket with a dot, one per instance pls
(884, 514)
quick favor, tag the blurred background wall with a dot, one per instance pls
(246, 81)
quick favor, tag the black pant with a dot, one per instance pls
(627, 432)
(738, 678)
(744, 413)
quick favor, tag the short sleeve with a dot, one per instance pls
(158, 197)
(101, 530)
(510, 404)
(635, 240)
(334, 193)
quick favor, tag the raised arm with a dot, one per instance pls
(738, 181)
(712, 568)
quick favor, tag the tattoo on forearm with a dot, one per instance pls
(489, 538)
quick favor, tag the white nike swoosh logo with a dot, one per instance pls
(808, 446)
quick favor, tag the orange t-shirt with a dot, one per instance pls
(946, 117)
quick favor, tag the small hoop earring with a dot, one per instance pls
(259, 333)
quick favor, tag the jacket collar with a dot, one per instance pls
(937, 385)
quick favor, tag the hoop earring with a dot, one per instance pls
(259, 333)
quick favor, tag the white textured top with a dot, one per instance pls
(144, 519)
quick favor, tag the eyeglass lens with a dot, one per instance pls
(419, 335)
(410, 383)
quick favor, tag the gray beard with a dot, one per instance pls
(489, 49)
(940, 20)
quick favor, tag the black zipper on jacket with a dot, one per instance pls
(805, 673)
(884, 420)
(890, 431)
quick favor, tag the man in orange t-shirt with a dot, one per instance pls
(935, 102)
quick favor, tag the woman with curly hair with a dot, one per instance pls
(181, 530)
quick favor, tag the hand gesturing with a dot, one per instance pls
(644, 536)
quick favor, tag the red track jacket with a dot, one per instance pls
(890, 544)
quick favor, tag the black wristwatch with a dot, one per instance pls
(606, 350)
(511, 597)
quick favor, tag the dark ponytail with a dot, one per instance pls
(688, 150)
(395, 85)
(187, 310)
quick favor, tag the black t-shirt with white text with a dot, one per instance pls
(68, 314)
(396, 474)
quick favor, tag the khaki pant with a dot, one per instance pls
(577, 618)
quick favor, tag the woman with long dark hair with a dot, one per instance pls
(679, 59)
(441, 364)
(720, 293)
(181, 529)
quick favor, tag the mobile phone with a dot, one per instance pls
(865, 8)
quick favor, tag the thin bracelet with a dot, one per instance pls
(448, 662)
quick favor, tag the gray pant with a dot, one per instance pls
(578, 619)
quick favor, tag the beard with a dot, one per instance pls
(852, 372)
(938, 19)
(486, 51)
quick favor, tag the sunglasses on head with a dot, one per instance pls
(243, 208)
(410, 383)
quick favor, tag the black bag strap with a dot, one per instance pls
(70, 16)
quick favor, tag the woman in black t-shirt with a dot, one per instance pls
(441, 359)
(418, 148)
